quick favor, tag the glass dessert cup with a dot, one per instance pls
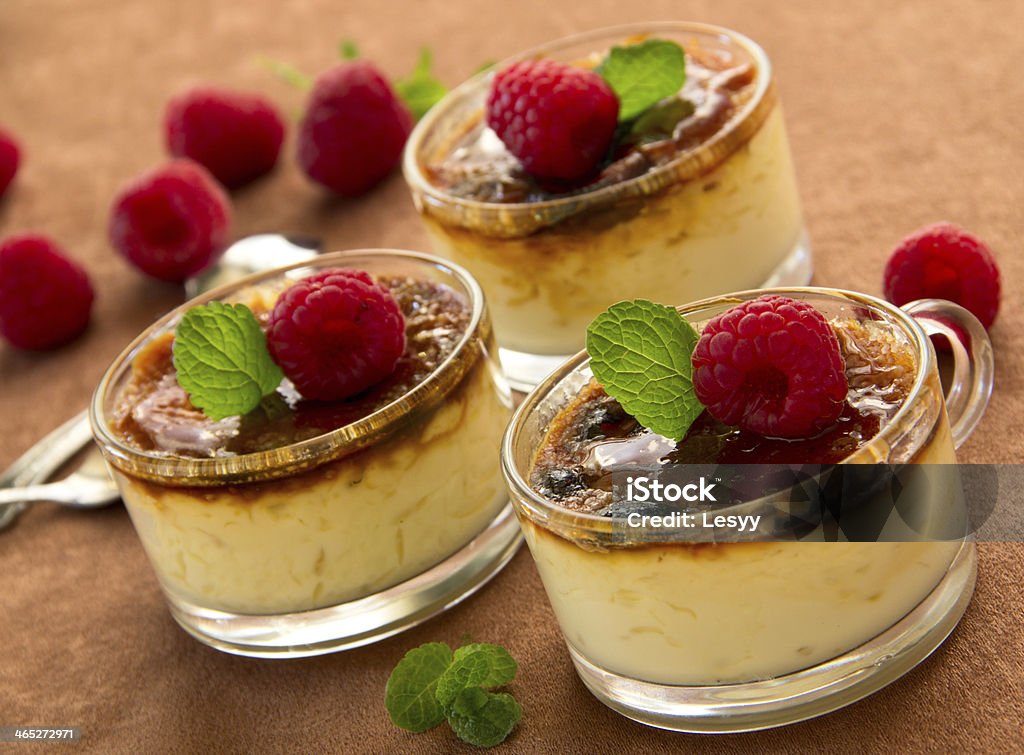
(681, 634)
(344, 538)
(722, 216)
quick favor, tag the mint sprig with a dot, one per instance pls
(640, 352)
(222, 361)
(431, 684)
(421, 90)
(644, 74)
(410, 694)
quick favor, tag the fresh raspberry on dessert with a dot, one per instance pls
(10, 156)
(172, 221)
(558, 120)
(771, 366)
(336, 333)
(45, 298)
(943, 261)
(236, 136)
(352, 133)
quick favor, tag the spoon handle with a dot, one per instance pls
(54, 491)
(43, 459)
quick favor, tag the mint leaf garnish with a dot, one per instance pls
(348, 50)
(644, 74)
(410, 692)
(421, 90)
(221, 356)
(431, 683)
(479, 665)
(659, 121)
(484, 718)
(640, 352)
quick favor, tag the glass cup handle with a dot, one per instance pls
(973, 368)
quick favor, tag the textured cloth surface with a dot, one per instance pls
(899, 114)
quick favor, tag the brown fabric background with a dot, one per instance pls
(899, 113)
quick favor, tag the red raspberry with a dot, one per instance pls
(172, 221)
(45, 298)
(943, 261)
(10, 156)
(558, 120)
(236, 136)
(771, 366)
(352, 133)
(336, 333)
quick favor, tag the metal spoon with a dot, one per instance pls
(90, 486)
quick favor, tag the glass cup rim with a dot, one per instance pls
(296, 457)
(524, 495)
(658, 176)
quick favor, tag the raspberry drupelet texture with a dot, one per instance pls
(354, 128)
(771, 366)
(336, 333)
(558, 120)
(171, 222)
(236, 136)
(943, 261)
(10, 158)
(45, 298)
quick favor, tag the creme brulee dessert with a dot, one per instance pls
(708, 613)
(303, 504)
(699, 198)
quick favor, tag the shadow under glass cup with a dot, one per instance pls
(737, 636)
(347, 537)
(720, 216)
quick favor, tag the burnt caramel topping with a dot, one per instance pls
(153, 412)
(594, 436)
(475, 165)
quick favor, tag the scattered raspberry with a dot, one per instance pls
(943, 261)
(352, 133)
(558, 120)
(10, 156)
(45, 298)
(235, 135)
(771, 366)
(336, 333)
(172, 221)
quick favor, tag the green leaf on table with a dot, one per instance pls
(478, 665)
(484, 718)
(221, 356)
(348, 50)
(421, 90)
(410, 694)
(644, 74)
(288, 73)
(640, 352)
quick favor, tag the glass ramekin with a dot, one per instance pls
(721, 217)
(342, 539)
(737, 636)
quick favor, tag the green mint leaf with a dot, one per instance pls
(640, 352)
(410, 695)
(221, 356)
(644, 74)
(348, 50)
(659, 121)
(421, 90)
(289, 74)
(478, 665)
(483, 718)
